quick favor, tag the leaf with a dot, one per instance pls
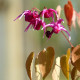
(56, 70)
(64, 62)
(45, 60)
(78, 19)
(64, 66)
(67, 59)
(58, 9)
(68, 10)
(75, 57)
(68, 55)
(73, 73)
(28, 64)
(37, 70)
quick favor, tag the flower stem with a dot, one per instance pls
(36, 9)
(67, 39)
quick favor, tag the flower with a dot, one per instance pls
(36, 24)
(56, 28)
(29, 15)
(47, 13)
(33, 18)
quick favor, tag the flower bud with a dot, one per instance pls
(68, 10)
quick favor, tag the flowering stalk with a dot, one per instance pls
(33, 17)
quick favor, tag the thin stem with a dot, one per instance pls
(36, 9)
(67, 39)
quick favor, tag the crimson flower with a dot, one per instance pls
(36, 24)
(47, 13)
(33, 18)
(56, 28)
(29, 15)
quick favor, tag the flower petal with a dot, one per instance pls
(60, 20)
(27, 27)
(24, 13)
(44, 33)
(66, 32)
(48, 25)
(43, 12)
(52, 10)
(17, 17)
(21, 15)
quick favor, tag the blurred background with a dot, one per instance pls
(16, 45)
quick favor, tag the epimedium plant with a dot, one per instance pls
(69, 63)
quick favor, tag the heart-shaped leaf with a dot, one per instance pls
(68, 10)
(68, 55)
(75, 57)
(28, 64)
(45, 61)
(64, 62)
(73, 73)
(64, 66)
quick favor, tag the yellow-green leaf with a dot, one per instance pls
(68, 54)
(64, 66)
(28, 64)
(64, 62)
(67, 59)
(45, 60)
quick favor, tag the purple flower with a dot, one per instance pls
(29, 15)
(36, 24)
(33, 18)
(56, 28)
(47, 13)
